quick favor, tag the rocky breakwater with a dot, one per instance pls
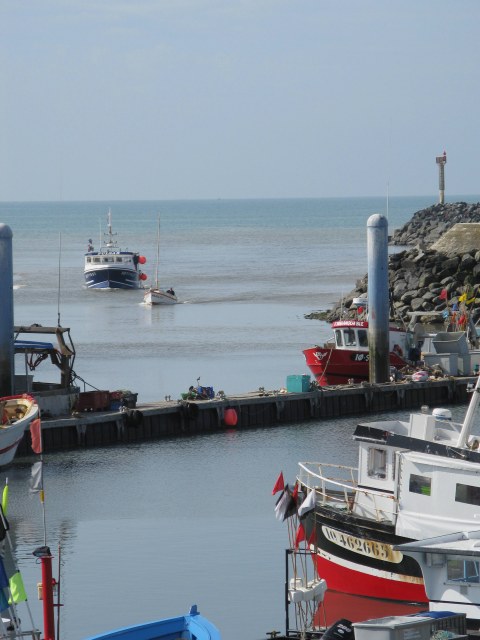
(440, 264)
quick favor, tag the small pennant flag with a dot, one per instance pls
(279, 484)
(3, 576)
(5, 499)
(286, 505)
(17, 588)
(443, 294)
(463, 297)
(307, 505)
(36, 480)
(300, 535)
(3, 601)
(36, 435)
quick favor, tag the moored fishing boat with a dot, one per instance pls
(16, 415)
(112, 267)
(415, 478)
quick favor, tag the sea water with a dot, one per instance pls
(146, 530)
(246, 272)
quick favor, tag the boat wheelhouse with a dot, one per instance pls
(112, 267)
(345, 358)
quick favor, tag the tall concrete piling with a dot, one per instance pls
(6, 312)
(378, 303)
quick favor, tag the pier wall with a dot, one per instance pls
(177, 419)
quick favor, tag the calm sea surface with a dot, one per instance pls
(149, 529)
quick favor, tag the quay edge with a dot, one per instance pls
(153, 421)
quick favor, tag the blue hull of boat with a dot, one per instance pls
(112, 279)
(190, 627)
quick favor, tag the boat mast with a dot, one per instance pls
(158, 253)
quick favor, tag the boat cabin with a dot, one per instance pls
(414, 475)
(353, 334)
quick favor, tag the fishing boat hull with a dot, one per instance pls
(358, 559)
(17, 412)
(158, 296)
(111, 278)
(332, 366)
(192, 626)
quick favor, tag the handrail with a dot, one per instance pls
(327, 485)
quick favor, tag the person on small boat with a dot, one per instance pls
(171, 291)
(90, 245)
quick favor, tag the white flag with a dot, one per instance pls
(307, 505)
(36, 481)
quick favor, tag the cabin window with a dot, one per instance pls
(338, 338)
(462, 570)
(108, 259)
(420, 484)
(96, 260)
(118, 259)
(377, 463)
(349, 338)
(89, 259)
(467, 494)
(363, 338)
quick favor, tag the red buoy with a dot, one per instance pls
(143, 276)
(230, 417)
(142, 260)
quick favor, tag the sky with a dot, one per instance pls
(201, 99)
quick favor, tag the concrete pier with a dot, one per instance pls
(154, 421)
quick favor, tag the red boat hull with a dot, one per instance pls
(341, 366)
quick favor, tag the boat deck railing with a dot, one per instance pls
(340, 489)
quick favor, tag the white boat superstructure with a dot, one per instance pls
(415, 479)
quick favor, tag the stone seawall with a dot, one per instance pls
(441, 263)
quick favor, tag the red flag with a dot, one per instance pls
(360, 310)
(311, 539)
(295, 492)
(443, 294)
(36, 435)
(300, 535)
(279, 484)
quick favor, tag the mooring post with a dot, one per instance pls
(441, 161)
(7, 366)
(378, 303)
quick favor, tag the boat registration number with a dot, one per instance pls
(365, 547)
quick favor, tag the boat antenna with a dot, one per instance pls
(59, 271)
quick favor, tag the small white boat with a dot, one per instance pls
(155, 295)
(16, 414)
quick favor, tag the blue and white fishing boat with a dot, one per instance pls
(112, 267)
(192, 626)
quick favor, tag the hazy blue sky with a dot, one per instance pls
(172, 99)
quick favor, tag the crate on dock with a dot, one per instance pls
(298, 384)
(393, 628)
(93, 401)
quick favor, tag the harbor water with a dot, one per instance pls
(146, 530)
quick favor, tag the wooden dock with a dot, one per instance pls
(181, 418)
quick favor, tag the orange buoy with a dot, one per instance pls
(142, 260)
(143, 276)
(230, 417)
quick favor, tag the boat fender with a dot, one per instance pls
(340, 630)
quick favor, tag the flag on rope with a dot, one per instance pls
(3, 576)
(3, 601)
(463, 297)
(279, 484)
(307, 505)
(443, 294)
